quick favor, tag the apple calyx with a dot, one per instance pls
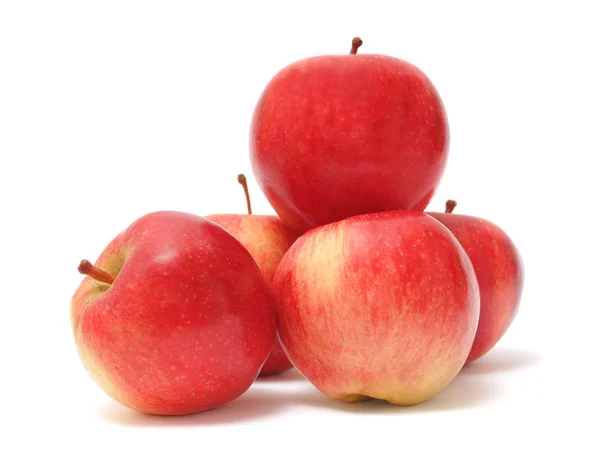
(242, 180)
(356, 43)
(94, 272)
(450, 205)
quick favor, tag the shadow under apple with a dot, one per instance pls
(471, 388)
(462, 393)
(253, 404)
(502, 360)
(269, 396)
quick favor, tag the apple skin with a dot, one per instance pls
(267, 239)
(337, 136)
(378, 306)
(500, 275)
(187, 323)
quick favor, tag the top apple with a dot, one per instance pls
(337, 136)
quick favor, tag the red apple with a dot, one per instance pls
(499, 271)
(378, 306)
(337, 136)
(174, 317)
(267, 239)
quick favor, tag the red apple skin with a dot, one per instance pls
(378, 306)
(499, 269)
(267, 239)
(187, 323)
(337, 136)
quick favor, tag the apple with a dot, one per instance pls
(499, 269)
(174, 317)
(343, 135)
(267, 239)
(381, 305)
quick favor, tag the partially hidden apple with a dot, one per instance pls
(174, 317)
(499, 269)
(379, 306)
(343, 135)
(267, 239)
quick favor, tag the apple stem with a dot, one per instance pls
(94, 272)
(356, 43)
(450, 205)
(242, 180)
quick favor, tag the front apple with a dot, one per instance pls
(176, 317)
(378, 306)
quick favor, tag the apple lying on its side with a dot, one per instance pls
(499, 271)
(343, 135)
(378, 306)
(174, 317)
(267, 239)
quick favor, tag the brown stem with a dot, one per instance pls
(356, 43)
(94, 272)
(450, 205)
(242, 180)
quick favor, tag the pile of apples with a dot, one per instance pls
(367, 295)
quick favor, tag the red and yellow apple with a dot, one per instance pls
(174, 317)
(379, 306)
(499, 271)
(343, 135)
(267, 239)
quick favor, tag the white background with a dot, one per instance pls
(110, 110)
